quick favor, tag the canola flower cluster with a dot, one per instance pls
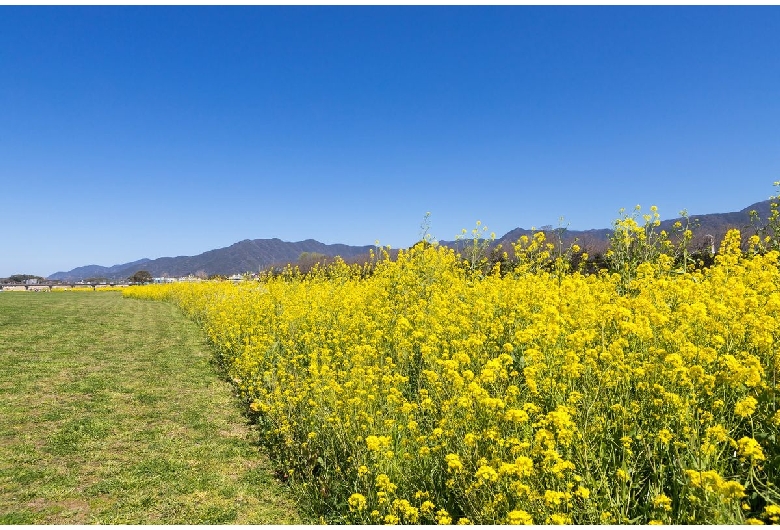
(431, 392)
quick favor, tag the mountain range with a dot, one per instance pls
(596, 241)
(249, 255)
(257, 254)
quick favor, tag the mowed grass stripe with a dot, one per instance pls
(111, 411)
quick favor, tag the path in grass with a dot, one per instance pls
(112, 412)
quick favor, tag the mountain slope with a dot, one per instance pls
(97, 271)
(596, 241)
(244, 256)
(255, 254)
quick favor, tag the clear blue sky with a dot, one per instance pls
(132, 132)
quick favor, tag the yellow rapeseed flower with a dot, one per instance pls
(663, 502)
(442, 517)
(519, 517)
(664, 436)
(772, 512)
(453, 463)
(357, 502)
(745, 407)
(750, 449)
(486, 473)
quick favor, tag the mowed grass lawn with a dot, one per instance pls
(112, 411)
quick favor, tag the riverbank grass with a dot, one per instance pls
(111, 411)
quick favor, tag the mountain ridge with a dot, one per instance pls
(246, 255)
(252, 255)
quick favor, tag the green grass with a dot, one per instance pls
(111, 411)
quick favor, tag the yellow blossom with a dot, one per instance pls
(745, 407)
(663, 502)
(357, 502)
(664, 436)
(453, 462)
(486, 473)
(750, 449)
(519, 517)
(442, 517)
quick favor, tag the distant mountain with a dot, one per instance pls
(244, 256)
(97, 271)
(253, 255)
(596, 241)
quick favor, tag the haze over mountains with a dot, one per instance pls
(257, 254)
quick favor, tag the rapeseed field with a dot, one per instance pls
(430, 389)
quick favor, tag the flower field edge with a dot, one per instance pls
(427, 392)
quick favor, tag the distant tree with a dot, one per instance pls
(21, 278)
(201, 274)
(307, 260)
(422, 244)
(141, 277)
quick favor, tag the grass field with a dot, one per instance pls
(111, 411)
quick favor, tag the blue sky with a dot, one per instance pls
(131, 132)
